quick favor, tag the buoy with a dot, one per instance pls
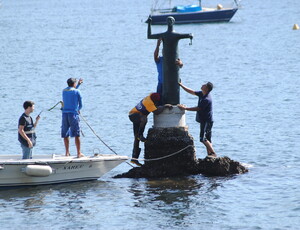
(296, 27)
(219, 7)
(38, 170)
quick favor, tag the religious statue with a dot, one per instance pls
(170, 38)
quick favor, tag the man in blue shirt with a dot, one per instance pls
(159, 65)
(204, 114)
(72, 104)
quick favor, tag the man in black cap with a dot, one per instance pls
(204, 114)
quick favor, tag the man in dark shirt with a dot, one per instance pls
(204, 114)
(26, 130)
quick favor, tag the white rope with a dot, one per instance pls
(97, 135)
(152, 159)
(100, 138)
(160, 158)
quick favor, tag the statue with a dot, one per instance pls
(170, 40)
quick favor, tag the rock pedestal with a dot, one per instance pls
(170, 151)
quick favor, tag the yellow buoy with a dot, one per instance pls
(219, 7)
(296, 27)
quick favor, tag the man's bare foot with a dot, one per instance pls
(68, 154)
(80, 155)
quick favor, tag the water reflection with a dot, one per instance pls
(63, 196)
(175, 198)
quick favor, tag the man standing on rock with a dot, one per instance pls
(138, 116)
(204, 114)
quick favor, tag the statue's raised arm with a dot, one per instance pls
(152, 36)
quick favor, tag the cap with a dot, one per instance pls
(155, 96)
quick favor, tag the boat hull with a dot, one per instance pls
(63, 169)
(223, 15)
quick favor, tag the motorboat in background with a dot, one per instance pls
(53, 169)
(193, 14)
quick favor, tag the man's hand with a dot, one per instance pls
(158, 42)
(80, 81)
(182, 107)
(30, 145)
(179, 63)
(169, 106)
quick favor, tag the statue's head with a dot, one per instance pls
(170, 21)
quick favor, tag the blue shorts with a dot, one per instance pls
(70, 125)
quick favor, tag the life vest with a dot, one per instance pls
(144, 107)
(29, 131)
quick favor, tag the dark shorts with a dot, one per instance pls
(70, 125)
(205, 131)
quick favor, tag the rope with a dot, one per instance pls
(152, 159)
(56, 105)
(100, 138)
(160, 158)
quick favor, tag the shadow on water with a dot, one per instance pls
(35, 198)
(176, 198)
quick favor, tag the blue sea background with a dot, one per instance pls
(253, 62)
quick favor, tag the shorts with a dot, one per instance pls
(205, 131)
(70, 125)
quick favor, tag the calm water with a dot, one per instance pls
(253, 62)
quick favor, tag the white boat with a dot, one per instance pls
(53, 169)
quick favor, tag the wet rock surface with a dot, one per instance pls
(171, 152)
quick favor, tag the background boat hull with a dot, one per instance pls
(195, 17)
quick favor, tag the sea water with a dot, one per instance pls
(253, 62)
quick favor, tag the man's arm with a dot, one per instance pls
(36, 120)
(187, 89)
(79, 102)
(160, 109)
(80, 81)
(156, 51)
(183, 107)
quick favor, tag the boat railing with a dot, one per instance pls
(163, 11)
